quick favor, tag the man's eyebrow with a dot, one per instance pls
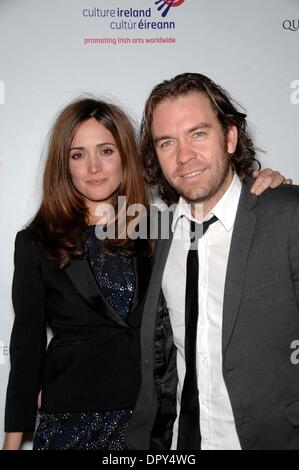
(162, 137)
(201, 125)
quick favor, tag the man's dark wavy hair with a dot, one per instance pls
(243, 161)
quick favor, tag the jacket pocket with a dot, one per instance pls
(269, 278)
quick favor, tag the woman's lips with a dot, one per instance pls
(95, 182)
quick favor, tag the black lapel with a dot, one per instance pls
(237, 262)
(80, 274)
(146, 403)
(142, 271)
(141, 266)
(144, 265)
(160, 258)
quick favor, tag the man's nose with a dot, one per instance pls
(185, 153)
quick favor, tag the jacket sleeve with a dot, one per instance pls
(28, 339)
(294, 252)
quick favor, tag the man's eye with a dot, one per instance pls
(166, 144)
(199, 134)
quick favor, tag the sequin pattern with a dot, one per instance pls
(85, 431)
(114, 274)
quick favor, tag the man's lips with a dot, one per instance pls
(191, 174)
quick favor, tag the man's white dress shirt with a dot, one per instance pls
(217, 425)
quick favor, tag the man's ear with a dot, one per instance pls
(232, 139)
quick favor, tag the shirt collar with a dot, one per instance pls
(225, 209)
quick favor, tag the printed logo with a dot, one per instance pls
(2, 92)
(291, 25)
(165, 5)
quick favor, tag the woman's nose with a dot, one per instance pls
(94, 164)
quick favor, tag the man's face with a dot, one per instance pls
(192, 148)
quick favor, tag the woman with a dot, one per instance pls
(90, 293)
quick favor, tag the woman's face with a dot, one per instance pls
(95, 164)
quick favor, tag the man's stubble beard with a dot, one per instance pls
(216, 183)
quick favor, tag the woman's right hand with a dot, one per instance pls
(13, 441)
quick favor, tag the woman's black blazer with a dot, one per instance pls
(92, 362)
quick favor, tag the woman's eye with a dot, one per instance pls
(107, 151)
(76, 156)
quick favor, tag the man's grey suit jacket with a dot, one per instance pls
(260, 323)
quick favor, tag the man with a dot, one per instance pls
(237, 299)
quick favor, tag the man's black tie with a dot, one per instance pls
(189, 437)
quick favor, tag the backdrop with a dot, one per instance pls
(54, 51)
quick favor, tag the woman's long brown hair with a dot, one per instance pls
(63, 216)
